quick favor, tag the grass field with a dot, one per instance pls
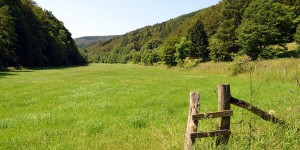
(104, 106)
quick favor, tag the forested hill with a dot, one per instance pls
(219, 33)
(86, 41)
(31, 36)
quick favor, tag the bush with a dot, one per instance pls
(190, 63)
(268, 53)
(136, 57)
(241, 64)
(150, 57)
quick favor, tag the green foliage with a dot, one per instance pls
(168, 51)
(264, 23)
(241, 64)
(199, 42)
(182, 50)
(152, 37)
(7, 37)
(268, 53)
(86, 41)
(218, 50)
(150, 57)
(227, 26)
(223, 43)
(153, 43)
(136, 57)
(211, 18)
(150, 54)
(189, 63)
(297, 35)
(34, 37)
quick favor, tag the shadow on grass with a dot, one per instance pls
(11, 71)
(55, 67)
(290, 54)
(31, 69)
(3, 74)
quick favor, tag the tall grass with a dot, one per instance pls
(134, 107)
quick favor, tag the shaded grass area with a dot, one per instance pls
(291, 50)
(135, 107)
(3, 74)
(290, 54)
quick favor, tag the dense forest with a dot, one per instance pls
(31, 37)
(259, 29)
(86, 41)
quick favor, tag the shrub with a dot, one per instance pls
(241, 64)
(189, 63)
(268, 53)
(136, 57)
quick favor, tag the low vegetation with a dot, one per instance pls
(105, 106)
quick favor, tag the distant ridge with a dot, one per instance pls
(86, 41)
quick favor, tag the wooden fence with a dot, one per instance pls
(223, 132)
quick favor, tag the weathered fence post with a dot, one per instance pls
(284, 71)
(223, 132)
(223, 104)
(192, 125)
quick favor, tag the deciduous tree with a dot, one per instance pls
(7, 37)
(264, 23)
(223, 43)
(182, 50)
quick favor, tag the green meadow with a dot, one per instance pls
(105, 106)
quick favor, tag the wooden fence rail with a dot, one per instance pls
(224, 113)
(262, 114)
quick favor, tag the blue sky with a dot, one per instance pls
(115, 17)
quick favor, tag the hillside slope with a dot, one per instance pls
(122, 48)
(223, 24)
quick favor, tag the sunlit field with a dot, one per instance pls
(103, 106)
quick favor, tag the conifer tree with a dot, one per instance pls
(199, 45)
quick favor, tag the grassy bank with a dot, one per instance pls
(105, 106)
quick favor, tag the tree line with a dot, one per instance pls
(219, 33)
(31, 37)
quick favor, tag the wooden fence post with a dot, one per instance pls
(284, 71)
(192, 125)
(223, 104)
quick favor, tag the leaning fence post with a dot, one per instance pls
(192, 125)
(223, 104)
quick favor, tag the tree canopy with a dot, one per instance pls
(31, 36)
(232, 27)
(264, 23)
